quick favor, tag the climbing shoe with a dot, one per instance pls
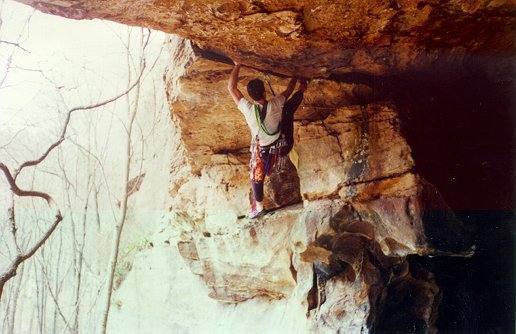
(253, 214)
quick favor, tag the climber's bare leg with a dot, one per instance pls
(257, 187)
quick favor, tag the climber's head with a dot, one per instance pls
(256, 89)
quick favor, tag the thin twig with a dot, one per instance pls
(53, 295)
(67, 121)
(15, 44)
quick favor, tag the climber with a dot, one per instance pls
(264, 120)
(287, 122)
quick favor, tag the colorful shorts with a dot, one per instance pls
(262, 161)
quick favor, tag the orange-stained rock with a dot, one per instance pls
(364, 208)
(356, 144)
(316, 38)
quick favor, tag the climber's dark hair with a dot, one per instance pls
(256, 89)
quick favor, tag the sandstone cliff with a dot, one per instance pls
(362, 208)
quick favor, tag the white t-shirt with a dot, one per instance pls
(271, 121)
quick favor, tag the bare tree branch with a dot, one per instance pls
(124, 202)
(14, 228)
(53, 295)
(20, 192)
(11, 54)
(11, 270)
(67, 121)
(14, 44)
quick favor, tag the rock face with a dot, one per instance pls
(361, 207)
(353, 214)
(316, 38)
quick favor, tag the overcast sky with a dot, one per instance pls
(63, 63)
(85, 58)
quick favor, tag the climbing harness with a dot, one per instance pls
(275, 156)
(275, 153)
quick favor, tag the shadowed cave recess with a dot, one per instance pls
(396, 216)
(457, 117)
(461, 131)
(458, 120)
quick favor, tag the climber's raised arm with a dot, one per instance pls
(302, 85)
(290, 88)
(233, 84)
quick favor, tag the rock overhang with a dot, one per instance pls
(314, 38)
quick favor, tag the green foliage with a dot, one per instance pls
(126, 258)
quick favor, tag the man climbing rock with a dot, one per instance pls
(264, 120)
